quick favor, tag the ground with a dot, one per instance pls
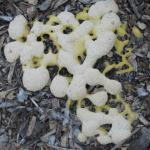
(39, 120)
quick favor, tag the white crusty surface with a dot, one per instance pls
(104, 139)
(49, 59)
(102, 7)
(35, 79)
(66, 42)
(12, 50)
(30, 50)
(70, 42)
(77, 89)
(66, 59)
(100, 47)
(39, 28)
(18, 27)
(31, 38)
(109, 22)
(99, 99)
(82, 137)
(82, 30)
(94, 77)
(67, 18)
(112, 86)
(120, 130)
(59, 86)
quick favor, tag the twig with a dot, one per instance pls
(2, 32)
(16, 7)
(143, 120)
(6, 18)
(37, 106)
(1, 27)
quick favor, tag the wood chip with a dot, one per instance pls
(31, 126)
(45, 138)
(11, 72)
(52, 4)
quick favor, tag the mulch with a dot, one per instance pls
(38, 120)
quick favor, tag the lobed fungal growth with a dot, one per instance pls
(76, 42)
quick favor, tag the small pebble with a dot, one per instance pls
(141, 25)
(148, 55)
(7, 105)
(57, 115)
(52, 140)
(76, 132)
(22, 96)
(66, 118)
(31, 11)
(133, 61)
(142, 92)
(148, 87)
(3, 138)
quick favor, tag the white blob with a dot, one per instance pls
(65, 59)
(91, 121)
(12, 50)
(119, 123)
(66, 42)
(88, 128)
(31, 38)
(104, 139)
(102, 7)
(94, 77)
(77, 89)
(67, 18)
(38, 28)
(49, 59)
(100, 47)
(109, 22)
(82, 137)
(30, 50)
(59, 86)
(82, 30)
(112, 86)
(99, 99)
(34, 79)
(18, 27)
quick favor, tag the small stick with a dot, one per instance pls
(37, 106)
